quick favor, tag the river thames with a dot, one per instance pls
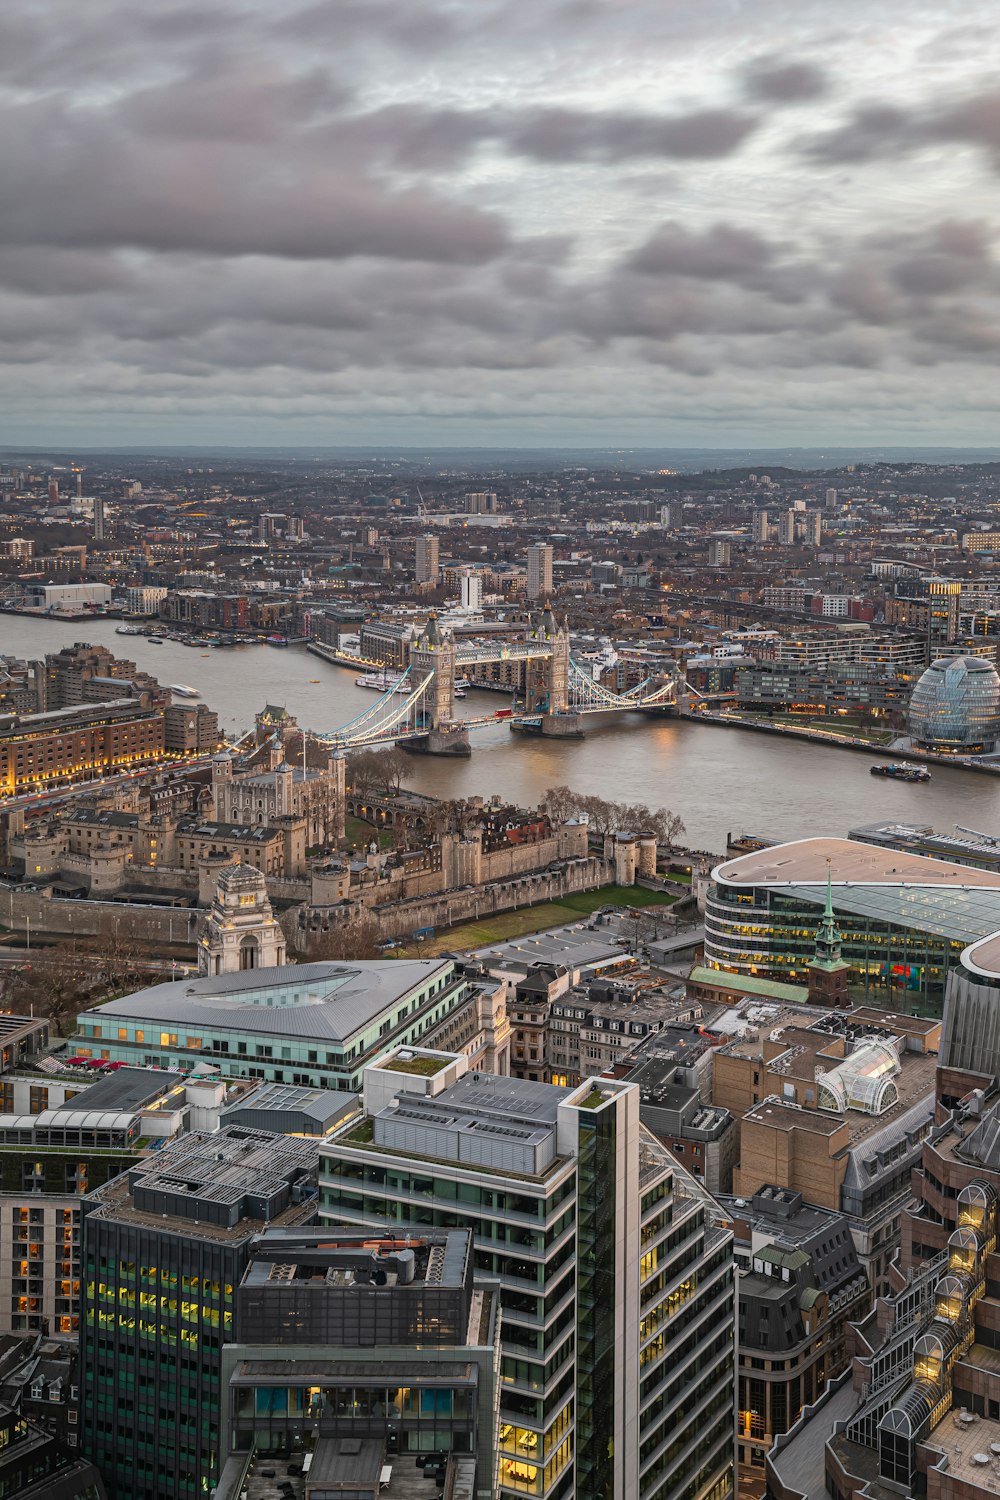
(719, 780)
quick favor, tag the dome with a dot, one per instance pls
(956, 706)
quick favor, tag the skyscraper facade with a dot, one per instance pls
(617, 1343)
(539, 581)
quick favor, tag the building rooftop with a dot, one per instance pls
(124, 1089)
(225, 1186)
(805, 862)
(571, 947)
(744, 984)
(933, 895)
(326, 1002)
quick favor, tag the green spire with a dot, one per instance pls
(827, 934)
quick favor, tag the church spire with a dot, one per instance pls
(827, 970)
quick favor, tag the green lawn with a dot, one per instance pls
(616, 895)
(513, 924)
(359, 833)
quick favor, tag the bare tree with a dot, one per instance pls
(357, 937)
(53, 983)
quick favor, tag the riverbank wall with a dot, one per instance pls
(845, 742)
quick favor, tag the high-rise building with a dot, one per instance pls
(471, 589)
(482, 503)
(164, 1248)
(389, 1361)
(812, 527)
(539, 582)
(99, 519)
(616, 1277)
(830, 499)
(427, 560)
(761, 530)
(719, 553)
(786, 528)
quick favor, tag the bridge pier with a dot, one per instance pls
(448, 740)
(564, 726)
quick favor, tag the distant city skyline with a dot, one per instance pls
(592, 222)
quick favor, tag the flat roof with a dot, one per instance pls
(325, 1002)
(124, 1089)
(929, 895)
(746, 984)
(806, 862)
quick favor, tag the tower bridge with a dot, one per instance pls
(420, 706)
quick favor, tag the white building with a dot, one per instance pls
(144, 600)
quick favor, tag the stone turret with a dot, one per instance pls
(240, 931)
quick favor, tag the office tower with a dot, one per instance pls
(786, 528)
(427, 564)
(472, 589)
(761, 531)
(617, 1341)
(388, 1358)
(539, 584)
(812, 528)
(164, 1247)
(99, 519)
(719, 554)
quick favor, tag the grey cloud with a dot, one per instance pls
(723, 252)
(775, 80)
(878, 132)
(567, 135)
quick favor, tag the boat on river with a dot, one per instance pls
(900, 772)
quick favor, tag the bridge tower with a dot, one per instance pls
(558, 661)
(549, 690)
(434, 652)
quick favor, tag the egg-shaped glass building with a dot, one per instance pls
(955, 708)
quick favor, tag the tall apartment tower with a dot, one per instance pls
(812, 528)
(539, 571)
(427, 560)
(471, 584)
(98, 518)
(786, 528)
(830, 499)
(615, 1271)
(164, 1248)
(761, 530)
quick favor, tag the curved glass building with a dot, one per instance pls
(904, 920)
(955, 707)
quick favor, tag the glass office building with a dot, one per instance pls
(616, 1281)
(955, 707)
(164, 1246)
(903, 919)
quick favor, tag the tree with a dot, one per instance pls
(391, 766)
(53, 984)
(357, 937)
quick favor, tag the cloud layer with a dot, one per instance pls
(410, 220)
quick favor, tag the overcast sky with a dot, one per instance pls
(499, 221)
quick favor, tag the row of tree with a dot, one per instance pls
(562, 802)
(377, 773)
